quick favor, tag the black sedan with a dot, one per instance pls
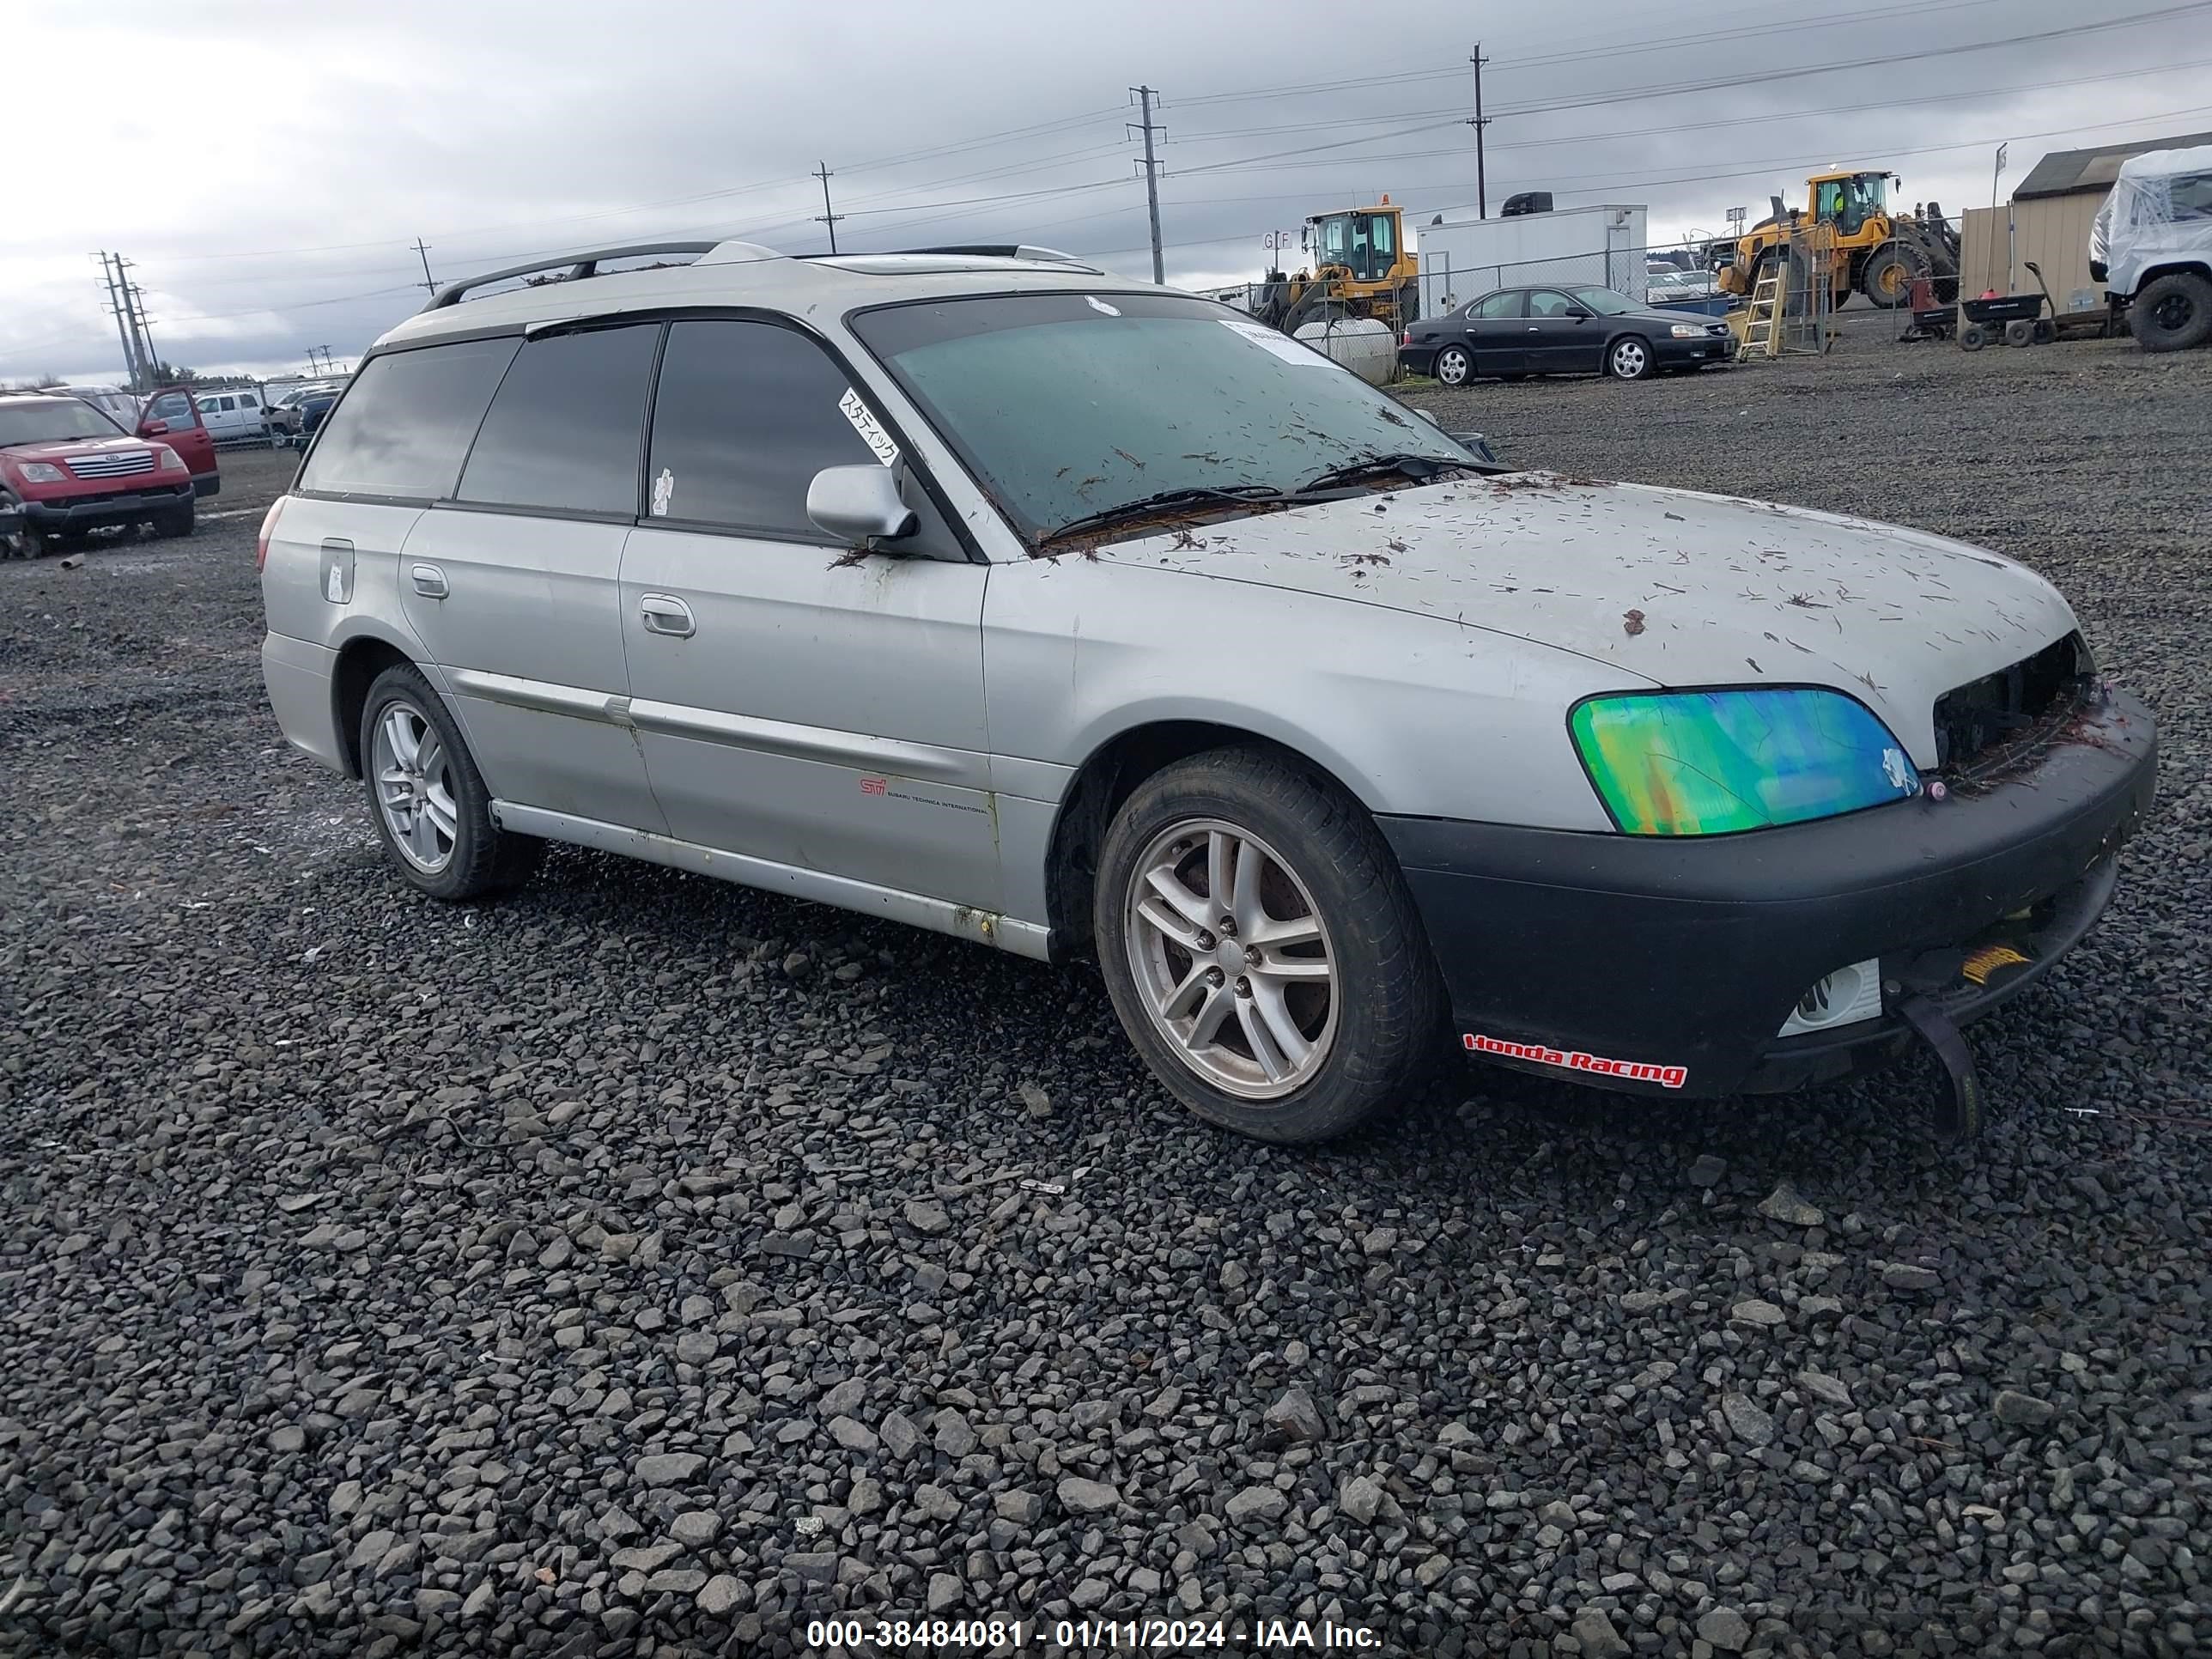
(1519, 332)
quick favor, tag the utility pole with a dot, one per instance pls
(137, 296)
(1481, 185)
(1145, 96)
(131, 365)
(124, 286)
(828, 216)
(429, 281)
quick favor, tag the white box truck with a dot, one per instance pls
(1463, 258)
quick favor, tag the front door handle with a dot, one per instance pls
(664, 613)
(429, 581)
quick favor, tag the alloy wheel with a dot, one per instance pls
(1628, 359)
(1232, 958)
(414, 774)
(1452, 366)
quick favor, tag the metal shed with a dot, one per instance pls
(2048, 221)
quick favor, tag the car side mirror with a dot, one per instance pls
(859, 504)
(1579, 314)
(1430, 416)
(153, 428)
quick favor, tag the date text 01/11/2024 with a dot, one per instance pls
(1091, 1635)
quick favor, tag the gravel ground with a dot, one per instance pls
(640, 1266)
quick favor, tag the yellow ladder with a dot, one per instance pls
(1763, 318)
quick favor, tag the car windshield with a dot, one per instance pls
(1066, 406)
(1602, 301)
(52, 418)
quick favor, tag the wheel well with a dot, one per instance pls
(358, 665)
(2204, 272)
(1102, 783)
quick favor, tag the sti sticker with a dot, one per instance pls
(871, 430)
(1573, 1060)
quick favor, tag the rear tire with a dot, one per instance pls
(1455, 366)
(2172, 313)
(2020, 331)
(427, 798)
(1973, 337)
(1281, 1031)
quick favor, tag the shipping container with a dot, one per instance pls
(1463, 258)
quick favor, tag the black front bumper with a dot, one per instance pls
(1584, 955)
(116, 506)
(1668, 352)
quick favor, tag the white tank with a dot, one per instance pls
(1362, 344)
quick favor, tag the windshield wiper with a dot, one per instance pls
(1167, 500)
(1419, 468)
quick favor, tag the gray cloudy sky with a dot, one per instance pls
(267, 165)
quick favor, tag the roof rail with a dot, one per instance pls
(572, 265)
(1051, 256)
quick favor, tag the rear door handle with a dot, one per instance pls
(429, 581)
(664, 613)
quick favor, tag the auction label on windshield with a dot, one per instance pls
(1070, 1636)
(1281, 345)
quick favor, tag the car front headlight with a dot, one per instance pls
(1686, 332)
(171, 462)
(41, 472)
(1715, 762)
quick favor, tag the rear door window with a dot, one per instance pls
(1506, 303)
(565, 429)
(404, 425)
(744, 415)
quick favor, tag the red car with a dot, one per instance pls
(72, 469)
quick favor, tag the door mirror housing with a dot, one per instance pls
(859, 504)
(1430, 416)
(1579, 314)
(153, 428)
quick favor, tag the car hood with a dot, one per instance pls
(62, 449)
(1671, 587)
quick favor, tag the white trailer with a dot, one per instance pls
(1463, 258)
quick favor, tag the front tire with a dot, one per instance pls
(2172, 313)
(1455, 366)
(1886, 278)
(1629, 358)
(1261, 947)
(176, 522)
(427, 798)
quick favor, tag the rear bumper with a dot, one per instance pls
(109, 507)
(1418, 359)
(1581, 955)
(299, 674)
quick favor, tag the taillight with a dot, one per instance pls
(1406, 338)
(268, 529)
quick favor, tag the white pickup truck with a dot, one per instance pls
(233, 414)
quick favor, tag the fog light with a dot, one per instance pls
(1843, 998)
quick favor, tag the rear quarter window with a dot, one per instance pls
(405, 423)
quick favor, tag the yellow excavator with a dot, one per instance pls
(1361, 267)
(1877, 251)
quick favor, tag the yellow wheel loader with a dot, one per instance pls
(1876, 252)
(1362, 267)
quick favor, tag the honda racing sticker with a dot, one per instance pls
(1573, 1060)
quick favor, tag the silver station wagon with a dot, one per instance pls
(1079, 617)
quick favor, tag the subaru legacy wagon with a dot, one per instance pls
(1082, 617)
